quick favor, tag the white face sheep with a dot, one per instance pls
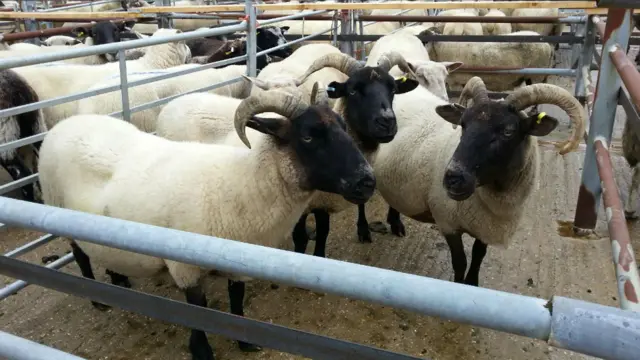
(106, 166)
(474, 179)
(51, 81)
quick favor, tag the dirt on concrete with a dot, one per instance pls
(543, 260)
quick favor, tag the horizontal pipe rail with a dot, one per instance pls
(588, 328)
(18, 285)
(217, 322)
(45, 32)
(623, 255)
(556, 39)
(17, 348)
(628, 73)
(14, 185)
(30, 246)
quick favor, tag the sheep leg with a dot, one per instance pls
(18, 170)
(84, 263)
(323, 222)
(364, 234)
(397, 227)
(236, 298)
(118, 279)
(458, 257)
(300, 235)
(631, 203)
(198, 343)
(477, 255)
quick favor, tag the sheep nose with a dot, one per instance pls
(453, 180)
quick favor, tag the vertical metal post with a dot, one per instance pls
(335, 27)
(363, 54)
(586, 55)
(617, 31)
(30, 25)
(345, 46)
(164, 21)
(124, 86)
(250, 15)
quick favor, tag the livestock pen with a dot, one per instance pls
(567, 284)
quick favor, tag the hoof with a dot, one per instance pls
(379, 227)
(365, 238)
(100, 306)
(202, 353)
(246, 347)
(124, 283)
(630, 215)
(398, 229)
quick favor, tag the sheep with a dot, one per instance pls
(496, 28)
(19, 163)
(286, 73)
(631, 153)
(447, 181)
(229, 50)
(59, 80)
(180, 24)
(146, 120)
(542, 29)
(432, 75)
(499, 54)
(60, 40)
(103, 32)
(111, 162)
(387, 27)
(367, 112)
(267, 37)
(450, 28)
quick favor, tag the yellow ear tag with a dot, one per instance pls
(540, 117)
(81, 33)
(257, 32)
(228, 52)
(403, 79)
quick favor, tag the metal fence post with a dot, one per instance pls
(617, 31)
(345, 45)
(250, 13)
(585, 57)
(124, 86)
(30, 25)
(164, 21)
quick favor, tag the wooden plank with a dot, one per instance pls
(386, 5)
(72, 15)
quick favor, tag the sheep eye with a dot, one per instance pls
(307, 139)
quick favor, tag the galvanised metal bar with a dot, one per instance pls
(608, 86)
(525, 71)
(497, 310)
(8, 187)
(587, 328)
(44, 32)
(209, 320)
(585, 58)
(475, 19)
(30, 246)
(114, 47)
(628, 73)
(250, 16)
(275, 19)
(626, 4)
(18, 285)
(124, 86)
(17, 348)
(560, 39)
(623, 255)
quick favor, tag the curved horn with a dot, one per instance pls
(393, 58)
(319, 94)
(289, 105)
(341, 62)
(264, 85)
(475, 90)
(551, 94)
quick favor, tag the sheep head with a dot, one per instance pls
(367, 94)
(495, 137)
(313, 139)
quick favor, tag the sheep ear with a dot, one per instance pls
(278, 127)
(336, 90)
(452, 66)
(451, 112)
(541, 124)
(81, 32)
(284, 29)
(404, 85)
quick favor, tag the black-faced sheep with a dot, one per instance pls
(253, 196)
(477, 178)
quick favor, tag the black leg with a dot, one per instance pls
(18, 170)
(397, 227)
(84, 263)
(477, 255)
(458, 257)
(118, 279)
(364, 234)
(300, 236)
(236, 298)
(198, 343)
(322, 232)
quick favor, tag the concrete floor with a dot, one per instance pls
(543, 260)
